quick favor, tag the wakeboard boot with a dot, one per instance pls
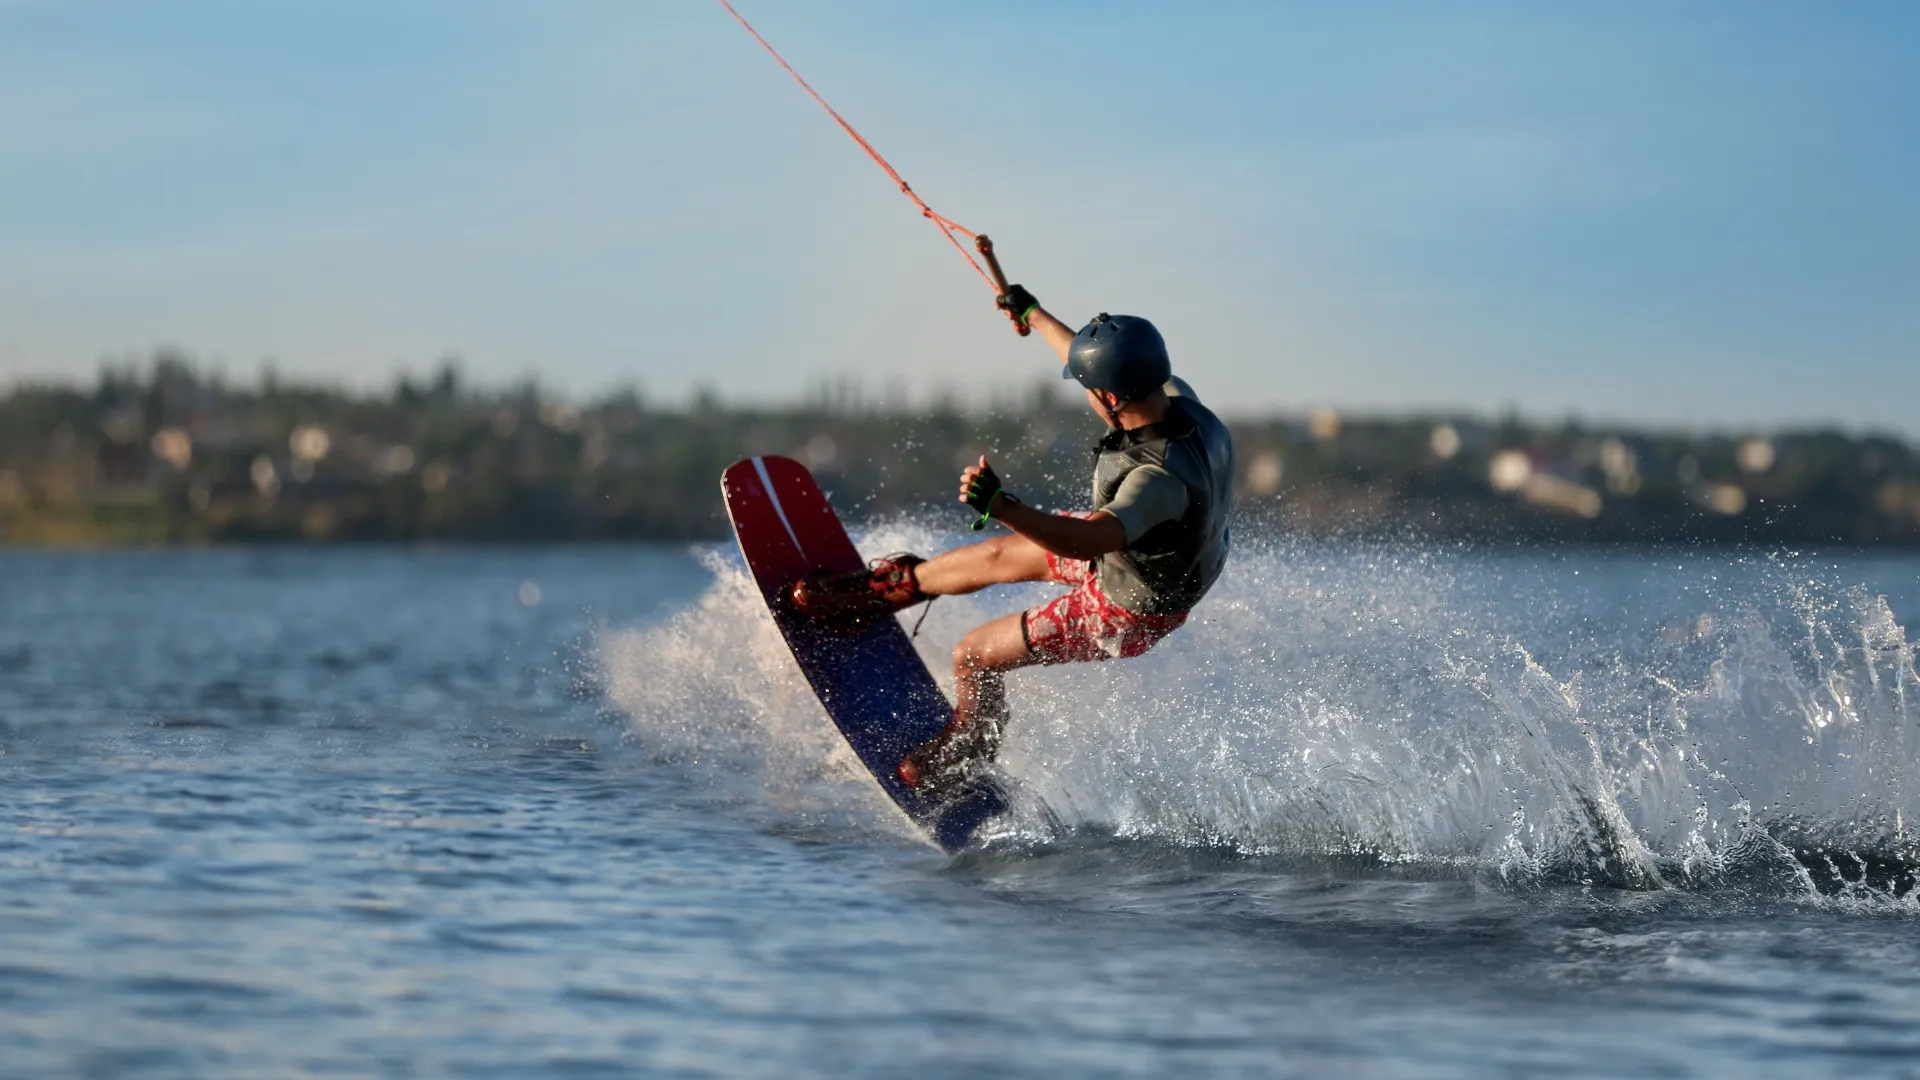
(851, 602)
(944, 764)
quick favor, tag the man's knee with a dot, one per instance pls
(976, 653)
(998, 646)
(966, 655)
(1014, 558)
(996, 552)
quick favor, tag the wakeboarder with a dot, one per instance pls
(1134, 565)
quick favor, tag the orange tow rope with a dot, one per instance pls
(995, 280)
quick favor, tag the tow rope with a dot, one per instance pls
(949, 228)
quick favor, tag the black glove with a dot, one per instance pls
(981, 492)
(1017, 302)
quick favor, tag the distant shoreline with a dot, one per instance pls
(163, 456)
(1387, 540)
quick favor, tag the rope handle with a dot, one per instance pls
(999, 283)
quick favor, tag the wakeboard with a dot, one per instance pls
(872, 683)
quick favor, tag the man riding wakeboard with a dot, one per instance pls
(1150, 548)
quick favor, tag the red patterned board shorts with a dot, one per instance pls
(1082, 624)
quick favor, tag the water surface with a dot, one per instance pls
(1376, 812)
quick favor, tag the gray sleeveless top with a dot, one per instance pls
(1174, 510)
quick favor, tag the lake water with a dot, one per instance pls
(1377, 812)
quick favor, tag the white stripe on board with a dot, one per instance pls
(760, 466)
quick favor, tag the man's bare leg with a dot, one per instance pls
(891, 584)
(980, 664)
(974, 567)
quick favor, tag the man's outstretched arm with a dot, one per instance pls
(1051, 330)
(1019, 303)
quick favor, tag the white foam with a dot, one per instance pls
(1390, 703)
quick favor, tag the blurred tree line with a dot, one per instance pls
(162, 452)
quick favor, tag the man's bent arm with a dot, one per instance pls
(1067, 537)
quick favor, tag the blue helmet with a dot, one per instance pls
(1122, 354)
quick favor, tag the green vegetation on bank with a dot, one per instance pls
(164, 454)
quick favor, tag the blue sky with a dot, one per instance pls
(1698, 214)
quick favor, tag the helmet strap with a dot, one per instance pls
(1116, 436)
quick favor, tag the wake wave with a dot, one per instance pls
(1616, 720)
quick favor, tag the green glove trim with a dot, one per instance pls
(981, 521)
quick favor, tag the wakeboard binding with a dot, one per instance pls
(851, 602)
(949, 762)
